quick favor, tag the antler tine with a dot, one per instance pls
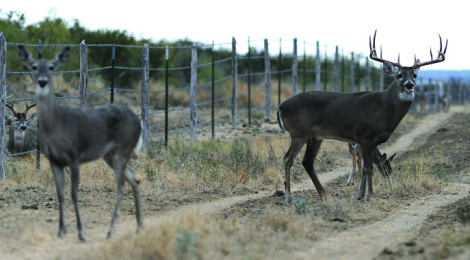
(11, 108)
(373, 53)
(28, 107)
(440, 55)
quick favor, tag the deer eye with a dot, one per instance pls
(51, 68)
(415, 75)
(400, 76)
(34, 67)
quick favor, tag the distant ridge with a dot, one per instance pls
(445, 75)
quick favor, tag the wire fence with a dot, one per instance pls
(249, 82)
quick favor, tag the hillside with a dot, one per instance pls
(445, 75)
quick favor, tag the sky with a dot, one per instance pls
(403, 27)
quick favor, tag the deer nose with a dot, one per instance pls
(42, 83)
(23, 127)
(409, 85)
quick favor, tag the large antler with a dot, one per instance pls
(11, 108)
(28, 107)
(440, 56)
(373, 53)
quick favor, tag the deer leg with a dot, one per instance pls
(60, 186)
(119, 167)
(75, 176)
(295, 146)
(353, 169)
(367, 171)
(313, 146)
(129, 176)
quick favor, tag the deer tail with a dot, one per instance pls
(140, 143)
(279, 120)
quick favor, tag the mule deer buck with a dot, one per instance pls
(71, 136)
(365, 118)
(21, 138)
(383, 164)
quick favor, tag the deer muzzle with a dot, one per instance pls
(42, 83)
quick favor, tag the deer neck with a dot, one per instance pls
(46, 108)
(395, 104)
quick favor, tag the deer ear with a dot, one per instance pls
(390, 69)
(32, 117)
(25, 55)
(9, 115)
(391, 157)
(61, 57)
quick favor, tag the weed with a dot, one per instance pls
(185, 242)
(300, 204)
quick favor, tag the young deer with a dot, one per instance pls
(365, 118)
(20, 137)
(71, 136)
(380, 160)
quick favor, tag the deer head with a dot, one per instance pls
(405, 76)
(42, 69)
(20, 119)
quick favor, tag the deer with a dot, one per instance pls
(366, 118)
(444, 102)
(383, 164)
(70, 136)
(20, 137)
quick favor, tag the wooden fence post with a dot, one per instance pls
(83, 87)
(295, 67)
(193, 94)
(234, 82)
(336, 70)
(353, 83)
(318, 69)
(145, 92)
(3, 97)
(267, 81)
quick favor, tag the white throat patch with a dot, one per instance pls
(406, 96)
(42, 92)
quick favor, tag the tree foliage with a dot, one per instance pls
(56, 32)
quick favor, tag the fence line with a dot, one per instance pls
(319, 73)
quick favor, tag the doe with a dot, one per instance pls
(71, 136)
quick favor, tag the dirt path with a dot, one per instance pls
(366, 242)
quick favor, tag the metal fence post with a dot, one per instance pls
(234, 82)
(267, 81)
(213, 92)
(279, 76)
(166, 96)
(145, 92)
(112, 72)
(249, 82)
(83, 88)
(295, 67)
(353, 81)
(325, 80)
(305, 69)
(336, 70)
(3, 97)
(367, 75)
(318, 69)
